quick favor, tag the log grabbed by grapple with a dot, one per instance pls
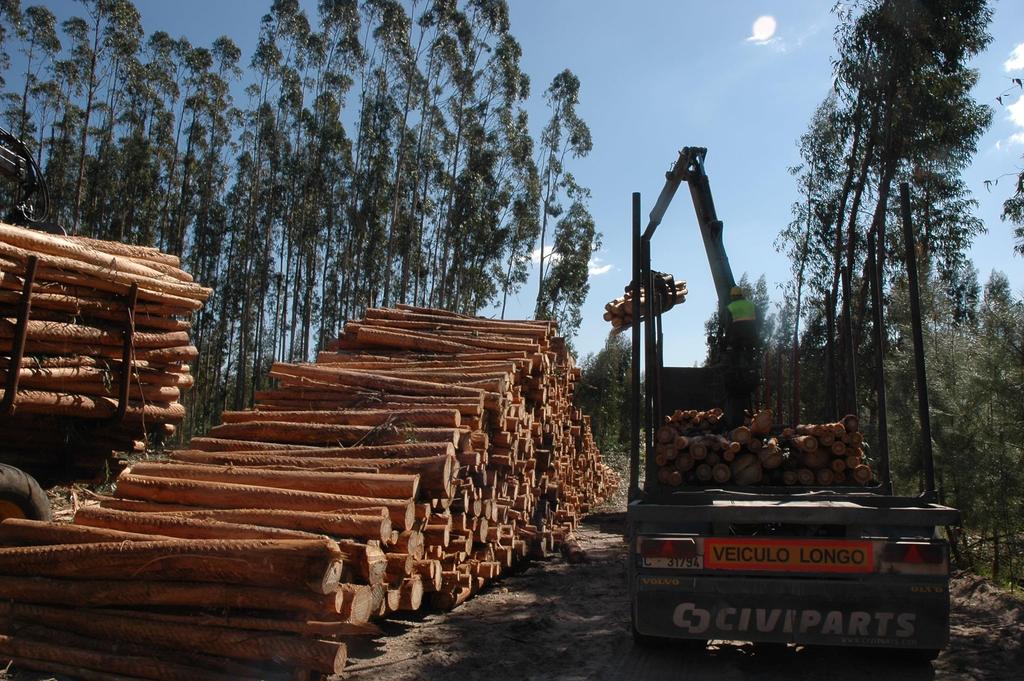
(669, 294)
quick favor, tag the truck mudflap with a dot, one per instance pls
(903, 614)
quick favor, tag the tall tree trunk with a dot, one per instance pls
(90, 93)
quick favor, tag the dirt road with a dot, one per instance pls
(571, 622)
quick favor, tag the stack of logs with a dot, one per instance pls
(84, 307)
(423, 456)
(692, 448)
(620, 311)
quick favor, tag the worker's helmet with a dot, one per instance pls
(736, 292)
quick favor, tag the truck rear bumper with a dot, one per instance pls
(903, 613)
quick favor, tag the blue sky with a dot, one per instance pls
(658, 75)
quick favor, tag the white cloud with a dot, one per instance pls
(777, 44)
(1016, 111)
(780, 44)
(596, 269)
(1015, 114)
(549, 255)
(1016, 60)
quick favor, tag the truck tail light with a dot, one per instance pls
(657, 547)
(914, 554)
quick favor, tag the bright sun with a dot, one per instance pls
(764, 29)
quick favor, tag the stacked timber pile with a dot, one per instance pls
(432, 451)
(691, 448)
(670, 293)
(93, 603)
(75, 314)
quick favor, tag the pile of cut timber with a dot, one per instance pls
(434, 451)
(94, 603)
(72, 299)
(692, 448)
(620, 311)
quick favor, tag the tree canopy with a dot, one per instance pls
(380, 153)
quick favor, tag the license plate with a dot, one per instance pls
(690, 562)
(789, 555)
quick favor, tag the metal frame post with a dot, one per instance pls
(927, 461)
(634, 458)
(875, 274)
(128, 341)
(19, 338)
(650, 349)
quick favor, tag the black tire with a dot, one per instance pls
(21, 496)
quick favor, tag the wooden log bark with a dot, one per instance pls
(330, 434)
(296, 651)
(311, 564)
(94, 407)
(24, 532)
(50, 656)
(436, 472)
(124, 591)
(437, 418)
(180, 527)
(401, 386)
(376, 485)
(233, 496)
(363, 525)
(312, 628)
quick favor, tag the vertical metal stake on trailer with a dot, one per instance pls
(650, 351)
(915, 320)
(875, 273)
(650, 388)
(634, 453)
(20, 336)
(127, 342)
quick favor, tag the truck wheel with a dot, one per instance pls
(21, 496)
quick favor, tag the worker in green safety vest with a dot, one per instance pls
(742, 320)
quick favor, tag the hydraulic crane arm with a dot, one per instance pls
(31, 201)
(689, 168)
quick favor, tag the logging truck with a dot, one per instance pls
(770, 556)
(20, 494)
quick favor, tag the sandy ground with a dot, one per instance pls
(571, 622)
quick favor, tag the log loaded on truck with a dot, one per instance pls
(94, 346)
(744, 530)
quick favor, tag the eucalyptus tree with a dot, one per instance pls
(381, 153)
(499, 179)
(568, 281)
(902, 110)
(10, 18)
(1013, 210)
(38, 34)
(338, 60)
(99, 43)
(565, 133)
